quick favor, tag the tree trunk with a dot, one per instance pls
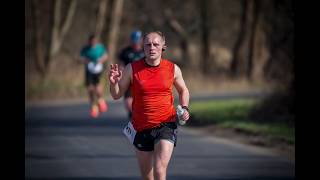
(253, 36)
(205, 37)
(38, 48)
(241, 52)
(101, 17)
(53, 44)
(260, 52)
(58, 33)
(184, 44)
(279, 67)
(116, 16)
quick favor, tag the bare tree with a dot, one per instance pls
(241, 52)
(38, 47)
(182, 33)
(56, 36)
(253, 37)
(259, 54)
(205, 36)
(116, 16)
(58, 33)
(101, 17)
(279, 66)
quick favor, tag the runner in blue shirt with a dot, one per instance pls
(129, 54)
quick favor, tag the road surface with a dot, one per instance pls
(63, 143)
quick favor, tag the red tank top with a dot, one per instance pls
(153, 100)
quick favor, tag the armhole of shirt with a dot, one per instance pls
(174, 71)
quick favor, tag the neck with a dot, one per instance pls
(152, 62)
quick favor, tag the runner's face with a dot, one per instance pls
(93, 42)
(153, 45)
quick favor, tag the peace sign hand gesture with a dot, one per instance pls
(115, 74)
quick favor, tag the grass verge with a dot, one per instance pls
(234, 114)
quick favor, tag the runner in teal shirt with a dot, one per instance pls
(93, 55)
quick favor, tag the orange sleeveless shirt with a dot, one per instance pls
(153, 100)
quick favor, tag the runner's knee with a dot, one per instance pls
(160, 173)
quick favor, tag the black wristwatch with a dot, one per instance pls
(186, 108)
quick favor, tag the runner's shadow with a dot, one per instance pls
(169, 178)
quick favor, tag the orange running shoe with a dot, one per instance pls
(94, 111)
(103, 107)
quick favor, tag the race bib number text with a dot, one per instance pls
(130, 132)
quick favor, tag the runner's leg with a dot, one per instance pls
(99, 91)
(91, 93)
(145, 164)
(162, 155)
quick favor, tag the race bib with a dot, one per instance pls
(130, 132)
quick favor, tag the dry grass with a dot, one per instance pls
(66, 81)
(199, 84)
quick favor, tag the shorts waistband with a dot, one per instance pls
(170, 124)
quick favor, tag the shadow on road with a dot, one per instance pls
(169, 178)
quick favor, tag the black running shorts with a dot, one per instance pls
(92, 79)
(146, 139)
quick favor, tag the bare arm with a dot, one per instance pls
(83, 60)
(182, 89)
(103, 58)
(119, 80)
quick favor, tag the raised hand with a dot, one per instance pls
(115, 74)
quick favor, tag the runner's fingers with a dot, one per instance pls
(113, 71)
(120, 73)
(115, 74)
(186, 116)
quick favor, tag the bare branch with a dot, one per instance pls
(116, 16)
(174, 24)
(67, 23)
(59, 34)
(101, 17)
(39, 54)
(55, 29)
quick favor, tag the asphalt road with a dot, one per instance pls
(63, 143)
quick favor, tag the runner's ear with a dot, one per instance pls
(164, 47)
